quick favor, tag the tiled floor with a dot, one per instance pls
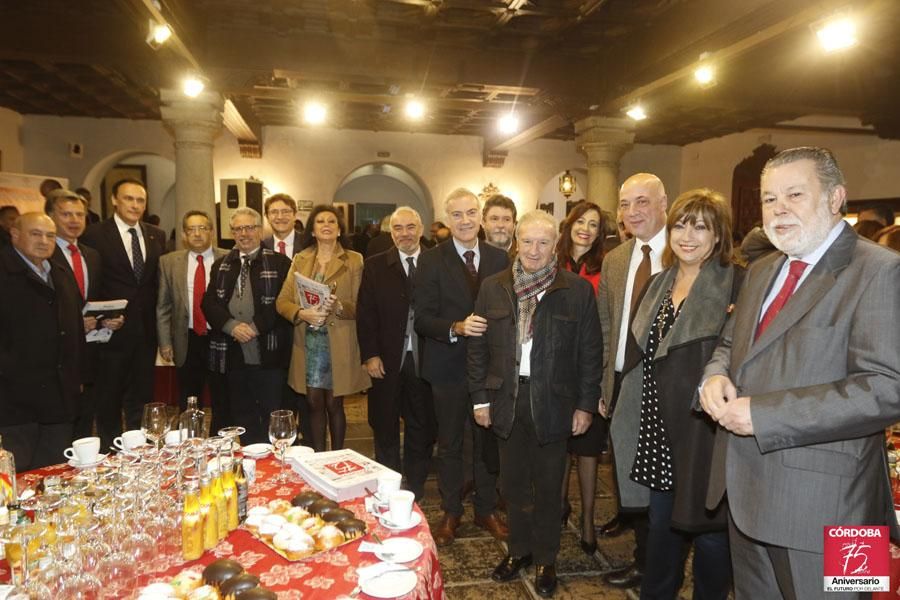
(468, 562)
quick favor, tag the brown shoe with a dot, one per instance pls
(493, 525)
(445, 532)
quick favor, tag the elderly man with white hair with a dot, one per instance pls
(534, 377)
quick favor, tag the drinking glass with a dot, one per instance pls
(155, 423)
(282, 433)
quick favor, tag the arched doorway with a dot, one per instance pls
(376, 189)
(552, 200)
(157, 171)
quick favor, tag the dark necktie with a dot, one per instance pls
(137, 257)
(78, 268)
(245, 272)
(641, 276)
(196, 301)
(470, 263)
(282, 247)
(795, 272)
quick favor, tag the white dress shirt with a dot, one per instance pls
(288, 243)
(460, 249)
(657, 245)
(415, 257)
(43, 271)
(811, 259)
(208, 258)
(64, 246)
(126, 237)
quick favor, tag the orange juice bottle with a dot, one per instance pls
(209, 515)
(218, 494)
(231, 497)
(191, 524)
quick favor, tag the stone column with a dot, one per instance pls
(604, 141)
(194, 122)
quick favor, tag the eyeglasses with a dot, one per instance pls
(199, 229)
(244, 228)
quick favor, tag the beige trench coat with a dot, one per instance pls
(345, 269)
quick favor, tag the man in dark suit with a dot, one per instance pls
(804, 382)
(69, 212)
(180, 322)
(41, 346)
(130, 252)
(249, 341)
(388, 347)
(281, 213)
(446, 286)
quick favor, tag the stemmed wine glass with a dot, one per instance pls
(282, 433)
(155, 423)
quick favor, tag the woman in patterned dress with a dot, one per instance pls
(325, 362)
(664, 448)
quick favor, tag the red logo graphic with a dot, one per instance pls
(857, 558)
(343, 467)
(311, 298)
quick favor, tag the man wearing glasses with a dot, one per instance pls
(180, 322)
(281, 213)
(249, 341)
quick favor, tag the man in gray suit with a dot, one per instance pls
(625, 271)
(180, 323)
(803, 383)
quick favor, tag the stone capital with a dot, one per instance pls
(603, 141)
(192, 120)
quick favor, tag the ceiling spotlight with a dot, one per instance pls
(415, 109)
(836, 34)
(508, 123)
(705, 75)
(159, 34)
(636, 112)
(193, 85)
(314, 113)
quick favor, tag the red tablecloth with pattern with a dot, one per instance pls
(327, 575)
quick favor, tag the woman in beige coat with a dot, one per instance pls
(325, 361)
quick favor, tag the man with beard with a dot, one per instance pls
(803, 383)
(389, 349)
(500, 223)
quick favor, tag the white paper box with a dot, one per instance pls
(339, 474)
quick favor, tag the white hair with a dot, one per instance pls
(538, 216)
(246, 211)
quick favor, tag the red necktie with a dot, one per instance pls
(282, 247)
(199, 289)
(795, 271)
(77, 268)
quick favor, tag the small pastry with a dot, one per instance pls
(351, 528)
(206, 592)
(231, 587)
(329, 537)
(270, 525)
(186, 582)
(312, 525)
(218, 571)
(255, 517)
(296, 515)
(322, 506)
(304, 499)
(279, 506)
(159, 591)
(338, 514)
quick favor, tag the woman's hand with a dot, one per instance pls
(314, 316)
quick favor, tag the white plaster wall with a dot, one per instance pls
(869, 164)
(13, 153)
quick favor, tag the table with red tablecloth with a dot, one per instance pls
(327, 575)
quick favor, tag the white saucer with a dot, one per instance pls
(100, 458)
(385, 518)
(258, 450)
(399, 550)
(298, 452)
(391, 584)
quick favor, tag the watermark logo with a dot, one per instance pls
(857, 558)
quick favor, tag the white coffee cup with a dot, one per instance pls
(130, 440)
(388, 483)
(176, 436)
(84, 451)
(401, 503)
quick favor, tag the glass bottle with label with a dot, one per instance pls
(218, 494)
(209, 514)
(191, 421)
(240, 481)
(192, 522)
(8, 495)
(231, 495)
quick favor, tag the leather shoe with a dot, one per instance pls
(627, 577)
(588, 549)
(445, 532)
(510, 566)
(545, 580)
(493, 525)
(611, 528)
